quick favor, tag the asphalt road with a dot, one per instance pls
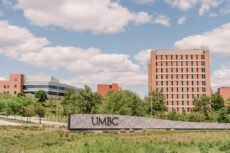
(6, 123)
(34, 120)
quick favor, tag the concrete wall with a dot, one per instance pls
(116, 122)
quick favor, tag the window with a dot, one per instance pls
(183, 103)
(15, 79)
(176, 69)
(202, 56)
(8, 86)
(197, 69)
(15, 92)
(196, 56)
(176, 63)
(182, 82)
(187, 76)
(192, 63)
(15, 86)
(176, 57)
(177, 91)
(187, 102)
(172, 96)
(171, 57)
(192, 89)
(161, 76)
(192, 82)
(172, 90)
(186, 57)
(187, 83)
(166, 69)
(182, 89)
(4, 86)
(182, 96)
(161, 57)
(166, 58)
(177, 102)
(187, 96)
(182, 76)
(161, 63)
(177, 76)
(203, 63)
(167, 83)
(192, 76)
(191, 56)
(156, 63)
(197, 89)
(171, 76)
(161, 83)
(167, 89)
(166, 63)
(172, 83)
(157, 83)
(177, 83)
(171, 69)
(186, 63)
(161, 70)
(197, 63)
(186, 69)
(203, 90)
(197, 82)
(178, 109)
(156, 76)
(172, 103)
(166, 76)
(156, 57)
(181, 56)
(188, 109)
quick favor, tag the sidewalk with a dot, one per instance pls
(6, 123)
(34, 120)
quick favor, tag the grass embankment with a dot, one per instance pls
(49, 139)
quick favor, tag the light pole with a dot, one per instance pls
(151, 100)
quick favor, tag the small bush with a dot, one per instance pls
(123, 131)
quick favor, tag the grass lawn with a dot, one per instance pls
(50, 139)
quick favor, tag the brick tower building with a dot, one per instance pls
(181, 75)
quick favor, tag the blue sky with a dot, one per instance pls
(103, 41)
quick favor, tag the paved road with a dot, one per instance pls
(34, 120)
(7, 123)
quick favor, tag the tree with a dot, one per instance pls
(158, 103)
(83, 102)
(173, 115)
(201, 103)
(122, 103)
(27, 111)
(41, 96)
(223, 116)
(21, 94)
(217, 102)
(40, 111)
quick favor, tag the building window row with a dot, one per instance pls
(180, 63)
(180, 83)
(179, 103)
(181, 76)
(162, 70)
(181, 57)
(183, 96)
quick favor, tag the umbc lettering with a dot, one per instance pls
(108, 121)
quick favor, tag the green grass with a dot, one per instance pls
(49, 139)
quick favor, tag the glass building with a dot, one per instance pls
(49, 84)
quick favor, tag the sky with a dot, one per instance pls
(90, 42)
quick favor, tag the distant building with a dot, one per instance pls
(104, 88)
(224, 92)
(31, 84)
(181, 75)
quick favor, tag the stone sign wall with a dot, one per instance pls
(116, 122)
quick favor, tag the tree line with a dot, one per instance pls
(85, 101)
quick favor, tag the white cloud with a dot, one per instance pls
(220, 78)
(1, 14)
(185, 5)
(145, 1)
(207, 4)
(2, 79)
(143, 56)
(164, 20)
(97, 16)
(181, 20)
(91, 65)
(182, 4)
(217, 40)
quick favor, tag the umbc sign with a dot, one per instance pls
(108, 121)
(117, 122)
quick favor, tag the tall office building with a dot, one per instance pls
(181, 75)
